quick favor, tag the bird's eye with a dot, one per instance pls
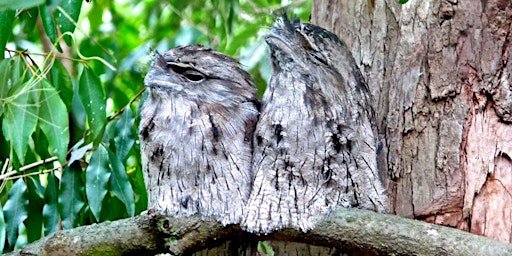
(320, 58)
(193, 75)
(189, 73)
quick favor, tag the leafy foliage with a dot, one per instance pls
(70, 80)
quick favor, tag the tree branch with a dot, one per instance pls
(347, 229)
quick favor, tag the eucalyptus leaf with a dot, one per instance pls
(53, 120)
(2, 229)
(71, 196)
(20, 118)
(51, 206)
(124, 137)
(15, 210)
(120, 185)
(97, 177)
(6, 20)
(34, 221)
(68, 17)
(93, 99)
(48, 22)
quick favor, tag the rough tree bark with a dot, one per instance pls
(439, 71)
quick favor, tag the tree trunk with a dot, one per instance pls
(439, 73)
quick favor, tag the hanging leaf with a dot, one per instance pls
(61, 81)
(120, 185)
(28, 18)
(20, 119)
(2, 229)
(124, 138)
(6, 20)
(97, 176)
(53, 120)
(51, 206)
(15, 211)
(48, 22)
(92, 97)
(66, 20)
(34, 221)
(139, 189)
(71, 195)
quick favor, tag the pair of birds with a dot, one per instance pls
(209, 146)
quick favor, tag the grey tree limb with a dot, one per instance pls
(350, 230)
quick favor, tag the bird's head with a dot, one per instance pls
(198, 73)
(305, 48)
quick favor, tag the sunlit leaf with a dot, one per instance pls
(67, 20)
(79, 150)
(120, 185)
(265, 248)
(15, 210)
(71, 195)
(51, 209)
(97, 176)
(53, 120)
(20, 119)
(92, 97)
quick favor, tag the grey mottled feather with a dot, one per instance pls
(195, 133)
(314, 142)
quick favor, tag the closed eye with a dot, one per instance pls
(320, 58)
(193, 75)
(187, 72)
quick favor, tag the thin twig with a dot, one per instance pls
(7, 176)
(33, 173)
(118, 113)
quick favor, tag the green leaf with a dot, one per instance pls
(265, 248)
(120, 185)
(403, 1)
(139, 188)
(53, 120)
(18, 4)
(71, 195)
(51, 206)
(15, 210)
(92, 97)
(113, 209)
(48, 22)
(5, 80)
(61, 81)
(124, 138)
(20, 119)
(67, 20)
(34, 221)
(2, 229)
(6, 20)
(28, 18)
(97, 176)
